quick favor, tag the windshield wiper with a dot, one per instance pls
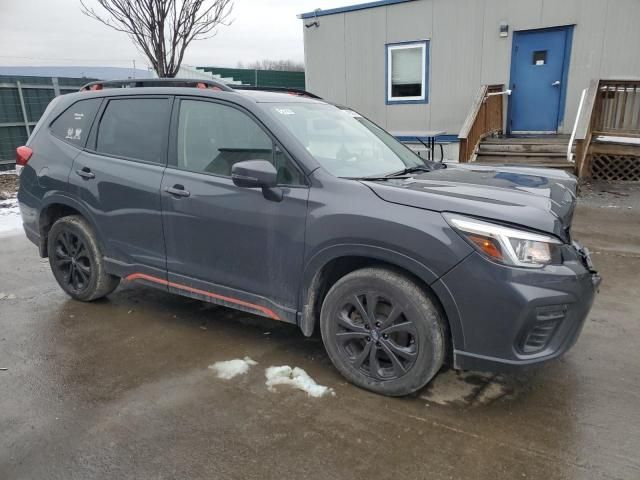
(408, 171)
(376, 179)
(401, 175)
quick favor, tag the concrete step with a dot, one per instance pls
(530, 140)
(524, 155)
(540, 162)
(523, 148)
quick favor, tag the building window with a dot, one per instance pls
(407, 72)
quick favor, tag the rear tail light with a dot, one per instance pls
(23, 154)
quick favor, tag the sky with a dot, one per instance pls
(55, 32)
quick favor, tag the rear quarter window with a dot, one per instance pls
(75, 122)
(135, 128)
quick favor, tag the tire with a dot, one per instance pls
(76, 260)
(397, 350)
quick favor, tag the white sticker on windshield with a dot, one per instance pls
(285, 111)
(353, 114)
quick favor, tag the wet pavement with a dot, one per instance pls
(120, 389)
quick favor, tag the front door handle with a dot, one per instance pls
(556, 83)
(177, 190)
(86, 173)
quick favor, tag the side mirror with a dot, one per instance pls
(254, 174)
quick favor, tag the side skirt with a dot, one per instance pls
(204, 291)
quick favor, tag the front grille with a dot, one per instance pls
(540, 333)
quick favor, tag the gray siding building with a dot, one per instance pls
(417, 64)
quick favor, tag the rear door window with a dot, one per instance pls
(134, 128)
(74, 124)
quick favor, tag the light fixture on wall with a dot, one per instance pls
(316, 23)
(504, 29)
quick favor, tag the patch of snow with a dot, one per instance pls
(10, 218)
(7, 296)
(297, 378)
(615, 139)
(8, 172)
(232, 368)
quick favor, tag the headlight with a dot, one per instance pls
(508, 245)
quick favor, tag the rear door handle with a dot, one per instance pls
(556, 83)
(177, 190)
(86, 173)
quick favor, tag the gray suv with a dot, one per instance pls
(286, 206)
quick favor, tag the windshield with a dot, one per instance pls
(343, 142)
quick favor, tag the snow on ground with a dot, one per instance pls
(615, 139)
(10, 219)
(232, 368)
(8, 172)
(297, 378)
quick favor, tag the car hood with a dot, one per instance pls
(536, 198)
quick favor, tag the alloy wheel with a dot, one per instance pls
(376, 336)
(71, 259)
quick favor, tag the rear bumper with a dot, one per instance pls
(512, 317)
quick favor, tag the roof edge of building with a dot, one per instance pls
(350, 8)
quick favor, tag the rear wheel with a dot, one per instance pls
(76, 260)
(382, 331)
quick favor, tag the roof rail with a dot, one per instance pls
(157, 82)
(291, 91)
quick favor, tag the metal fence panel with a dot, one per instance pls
(261, 78)
(10, 111)
(36, 101)
(10, 139)
(23, 100)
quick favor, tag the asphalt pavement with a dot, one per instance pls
(121, 389)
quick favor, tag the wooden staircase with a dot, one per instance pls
(605, 139)
(548, 151)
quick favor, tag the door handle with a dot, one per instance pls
(177, 190)
(86, 173)
(556, 83)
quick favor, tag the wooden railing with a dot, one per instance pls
(611, 107)
(485, 118)
(618, 111)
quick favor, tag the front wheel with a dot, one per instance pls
(76, 260)
(382, 331)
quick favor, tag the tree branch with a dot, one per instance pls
(163, 29)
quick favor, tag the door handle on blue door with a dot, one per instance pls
(556, 83)
(177, 190)
(86, 173)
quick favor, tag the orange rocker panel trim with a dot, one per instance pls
(142, 276)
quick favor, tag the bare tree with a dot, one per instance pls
(163, 29)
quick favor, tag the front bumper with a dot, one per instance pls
(515, 317)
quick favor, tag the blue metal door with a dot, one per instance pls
(538, 67)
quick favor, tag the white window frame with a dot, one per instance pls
(422, 44)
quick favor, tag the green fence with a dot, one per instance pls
(23, 100)
(260, 78)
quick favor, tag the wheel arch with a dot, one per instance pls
(56, 207)
(331, 264)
